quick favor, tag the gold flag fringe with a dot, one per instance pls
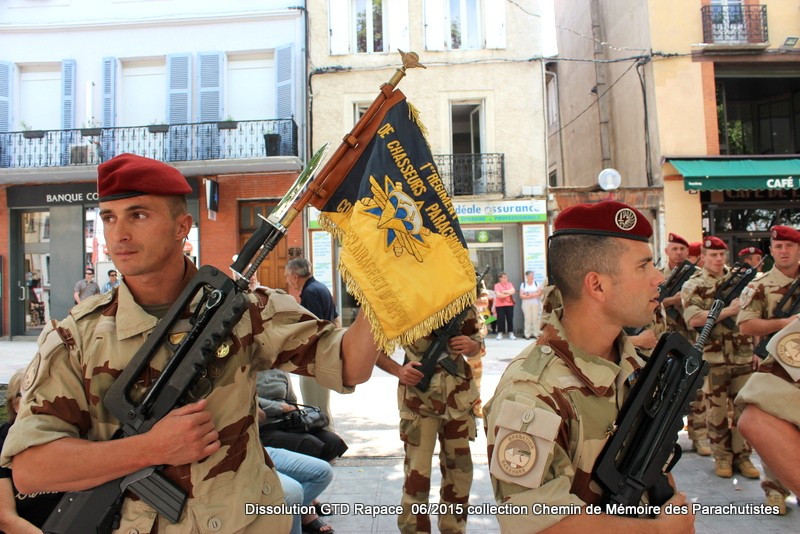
(413, 115)
(414, 332)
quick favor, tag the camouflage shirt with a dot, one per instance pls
(724, 345)
(675, 323)
(570, 400)
(762, 295)
(79, 358)
(449, 396)
(772, 390)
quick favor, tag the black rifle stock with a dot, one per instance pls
(221, 302)
(437, 352)
(782, 310)
(634, 459)
(732, 287)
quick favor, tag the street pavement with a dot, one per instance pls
(370, 474)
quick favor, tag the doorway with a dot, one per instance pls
(33, 284)
(270, 272)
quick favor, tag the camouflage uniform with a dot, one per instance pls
(79, 358)
(696, 420)
(476, 363)
(729, 355)
(444, 411)
(759, 301)
(571, 399)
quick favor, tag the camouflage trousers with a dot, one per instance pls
(696, 421)
(455, 459)
(476, 363)
(723, 383)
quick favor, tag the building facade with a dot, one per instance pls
(695, 103)
(480, 98)
(217, 91)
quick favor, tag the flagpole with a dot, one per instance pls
(354, 143)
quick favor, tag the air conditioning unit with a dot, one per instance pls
(79, 154)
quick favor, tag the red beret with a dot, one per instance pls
(714, 243)
(675, 238)
(785, 233)
(694, 248)
(750, 250)
(609, 218)
(128, 175)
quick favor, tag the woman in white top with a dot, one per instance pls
(531, 295)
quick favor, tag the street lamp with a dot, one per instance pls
(609, 179)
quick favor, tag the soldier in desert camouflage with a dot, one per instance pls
(729, 354)
(557, 402)
(443, 413)
(62, 438)
(757, 318)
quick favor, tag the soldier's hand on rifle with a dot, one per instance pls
(732, 309)
(184, 435)
(677, 521)
(464, 345)
(646, 340)
(408, 375)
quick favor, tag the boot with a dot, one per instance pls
(747, 469)
(702, 446)
(722, 468)
(776, 498)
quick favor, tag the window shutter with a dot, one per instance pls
(339, 26)
(494, 15)
(179, 82)
(284, 79)
(398, 25)
(6, 73)
(435, 38)
(109, 92)
(68, 94)
(211, 76)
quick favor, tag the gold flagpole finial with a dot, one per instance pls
(410, 61)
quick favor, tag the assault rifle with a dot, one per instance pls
(673, 284)
(437, 352)
(741, 274)
(184, 379)
(782, 311)
(635, 458)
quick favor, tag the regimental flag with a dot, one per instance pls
(404, 256)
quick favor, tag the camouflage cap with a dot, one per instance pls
(129, 175)
(608, 218)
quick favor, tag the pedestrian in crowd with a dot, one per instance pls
(210, 446)
(549, 418)
(476, 361)
(752, 256)
(443, 413)
(757, 318)
(276, 397)
(729, 354)
(696, 254)
(316, 298)
(770, 419)
(86, 287)
(504, 306)
(696, 420)
(113, 281)
(19, 513)
(531, 296)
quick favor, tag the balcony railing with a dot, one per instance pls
(735, 24)
(165, 142)
(471, 174)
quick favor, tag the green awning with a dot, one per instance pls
(737, 174)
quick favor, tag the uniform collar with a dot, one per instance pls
(779, 277)
(598, 374)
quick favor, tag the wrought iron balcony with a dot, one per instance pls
(471, 174)
(165, 142)
(735, 24)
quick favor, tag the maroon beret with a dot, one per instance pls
(609, 218)
(750, 250)
(785, 233)
(128, 175)
(675, 238)
(694, 248)
(714, 243)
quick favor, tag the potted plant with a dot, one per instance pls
(93, 129)
(158, 128)
(228, 124)
(29, 133)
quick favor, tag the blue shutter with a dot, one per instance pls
(109, 107)
(67, 108)
(6, 73)
(210, 109)
(179, 105)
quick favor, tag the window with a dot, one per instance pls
(369, 26)
(552, 104)
(465, 24)
(359, 108)
(143, 99)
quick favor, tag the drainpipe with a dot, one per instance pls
(600, 78)
(562, 163)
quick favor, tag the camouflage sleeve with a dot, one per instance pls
(289, 337)
(549, 476)
(753, 301)
(692, 302)
(773, 395)
(54, 403)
